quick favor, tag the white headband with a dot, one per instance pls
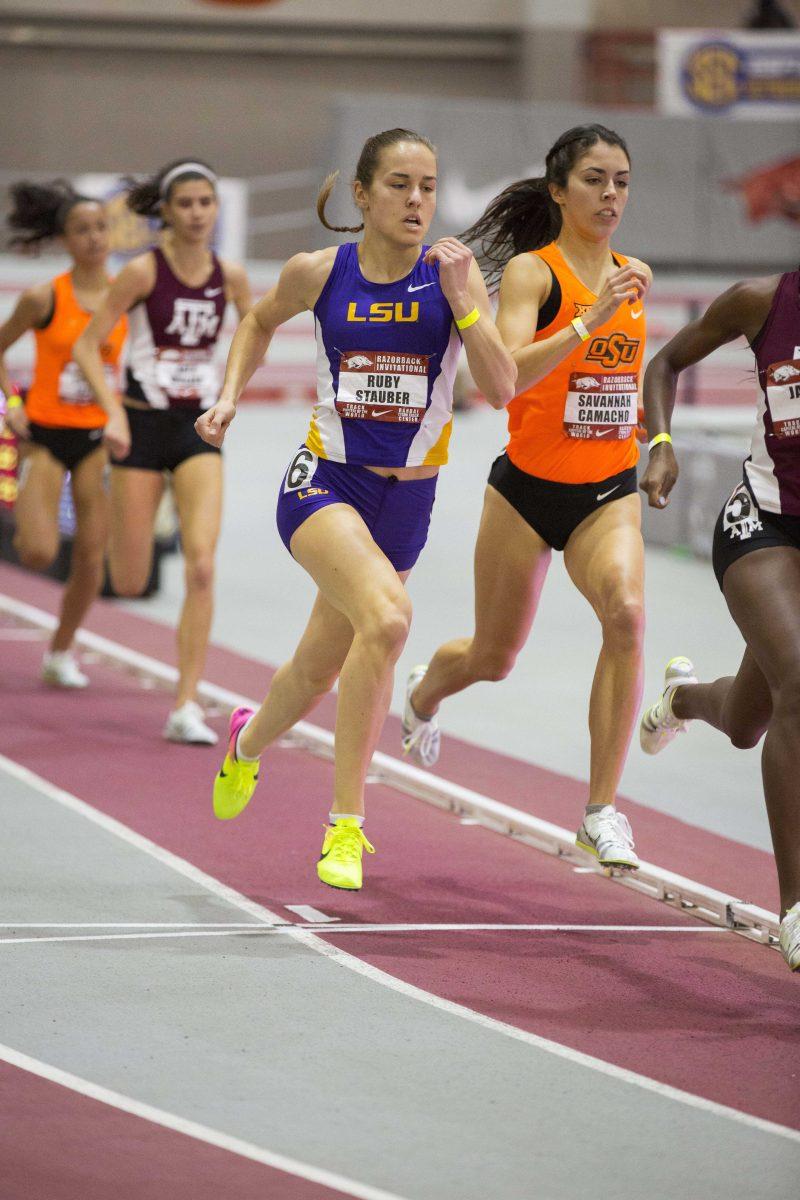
(186, 168)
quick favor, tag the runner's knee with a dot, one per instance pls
(492, 663)
(389, 625)
(36, 556)
(623, 624)
(199, 571)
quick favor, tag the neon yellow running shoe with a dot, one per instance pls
(340, 863)
(236, 781)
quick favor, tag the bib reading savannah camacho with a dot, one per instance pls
(386, 360)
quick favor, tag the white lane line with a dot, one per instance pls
(308, 913)
(202, 1133)
(20, 633)
(308, 938)
(130, 925)
(260, 930)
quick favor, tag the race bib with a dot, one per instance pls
(73, 387)
(186, 375)
(783, 397)
(600, 405)
(377, 385)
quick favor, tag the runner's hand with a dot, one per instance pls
(17, 421)
(212, 424)
(661, 475)
(117, 434)
(454, 259)
(628, 283)
(641, 427)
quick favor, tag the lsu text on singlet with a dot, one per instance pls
(173, 334)
(60, 396)
(386, 360)
(773, 469)
(577, 425)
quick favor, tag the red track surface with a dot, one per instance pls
(707, 1012)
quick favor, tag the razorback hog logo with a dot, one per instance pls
(356, 361)
(587, 382)
(612, 351)
(771, 191)
(783, 374)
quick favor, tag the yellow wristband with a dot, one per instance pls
(581, 330)
(14, 401)
(469, 319)
(660, 437)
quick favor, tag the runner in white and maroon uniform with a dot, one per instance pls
(175, 295)
(756, 560)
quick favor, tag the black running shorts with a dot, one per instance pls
(743, 527)
(68, 446)
(162, 439)
(555, 510)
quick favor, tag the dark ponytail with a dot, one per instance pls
(365, 169)
(39, 211)
(146, 196)
(525, 216)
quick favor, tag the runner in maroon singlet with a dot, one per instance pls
(175, 295)
(756, 560)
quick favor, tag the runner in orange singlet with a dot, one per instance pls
(571, 313)
(59, 423)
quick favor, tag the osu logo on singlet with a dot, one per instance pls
(613, 351)
(193, 320)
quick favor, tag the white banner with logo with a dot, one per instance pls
(729, 73)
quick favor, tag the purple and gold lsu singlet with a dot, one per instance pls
(773, 468)
(172, 337)
(386, 361)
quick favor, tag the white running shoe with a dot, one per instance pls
(421, 739)
(789, 938)
(659, 725)
(607, 835)
(60, 669)
(186, 724)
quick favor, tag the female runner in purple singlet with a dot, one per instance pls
(175, 296)
(756, 559)
(353, 509)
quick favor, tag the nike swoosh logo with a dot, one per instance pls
(419, 287)
(379, 412)
(94, 434)
(602, 495)
(209, 292)
(606, 432)
(636, 315)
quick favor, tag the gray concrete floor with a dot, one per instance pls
(539, 713)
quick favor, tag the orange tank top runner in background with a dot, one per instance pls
(59, 396)
(577, 425)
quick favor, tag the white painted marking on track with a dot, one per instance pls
(310, 914)
(22, 633)
(584, 870)
(288, 927)
(469, 821)
(202, 1133)
(307, 937)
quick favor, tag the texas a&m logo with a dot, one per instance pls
(613, 351)
(193, 320)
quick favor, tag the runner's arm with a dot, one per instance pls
(31, 310)
(726, 319)
(237, 288)
(296, 291)
(134, 283)
(523, 290)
